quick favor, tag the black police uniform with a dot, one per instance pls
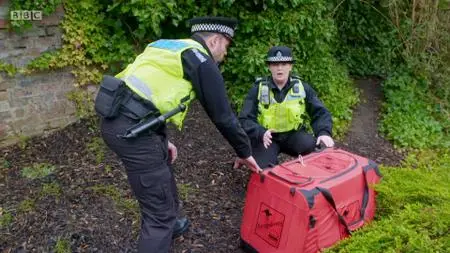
(146, 157)
(294, 142)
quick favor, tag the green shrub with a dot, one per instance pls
(423, 179)
(104, 36)
(413, 206)
(304, 26)
(408, 114)
(416, 229)
(368, 42)
(409, 42)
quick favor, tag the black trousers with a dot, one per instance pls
(293, 143)
(151, 178)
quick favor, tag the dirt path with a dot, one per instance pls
(89, 205)
(363, 137)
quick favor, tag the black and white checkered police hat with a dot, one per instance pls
(223, 25)
(280, 54)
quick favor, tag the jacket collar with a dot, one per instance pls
(274, 86)
(200, 40)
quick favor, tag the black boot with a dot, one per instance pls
(181, 227)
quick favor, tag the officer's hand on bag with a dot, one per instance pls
(267, 138)
(249, 162)
(327, 140)
(173, 153)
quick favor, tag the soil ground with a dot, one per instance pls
(88, 206)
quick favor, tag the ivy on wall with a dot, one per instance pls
(88, 48)
(46, 6)
(9, 69)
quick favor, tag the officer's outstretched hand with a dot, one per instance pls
(249, 162)
(173, 153)
(267, 138)
(327, 140)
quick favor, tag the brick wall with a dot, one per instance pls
(32, 104)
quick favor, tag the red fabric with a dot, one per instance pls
(286, 210)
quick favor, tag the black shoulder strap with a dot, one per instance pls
(330, 200)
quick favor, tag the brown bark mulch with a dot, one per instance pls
(88, 207)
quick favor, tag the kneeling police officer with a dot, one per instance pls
(168, 74)
(275, 108)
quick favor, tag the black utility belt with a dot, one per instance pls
(115, 97)
(137, 108)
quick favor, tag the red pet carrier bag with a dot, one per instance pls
(308, 204)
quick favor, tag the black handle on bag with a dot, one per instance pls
(320, 147)
(365, 200)
(329, 198)
(135, 130)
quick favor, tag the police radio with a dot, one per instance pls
(265, 95)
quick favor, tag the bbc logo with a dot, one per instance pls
(26, 15)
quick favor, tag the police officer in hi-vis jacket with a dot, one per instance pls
(167, 73)
(274, 110)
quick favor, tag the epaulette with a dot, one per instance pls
(199, 55)
(260, 79)
(295, 77)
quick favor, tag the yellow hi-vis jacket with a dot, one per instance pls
(284, 116)
(157, 75)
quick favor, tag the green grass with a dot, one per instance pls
(98, 148)
(38, 170)
(185, 190)
(4, 164)
(62, 246)
(23, 142)
(123, 203)
(6, 218)
(26, 206)
(108, 169)
(51, 189)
